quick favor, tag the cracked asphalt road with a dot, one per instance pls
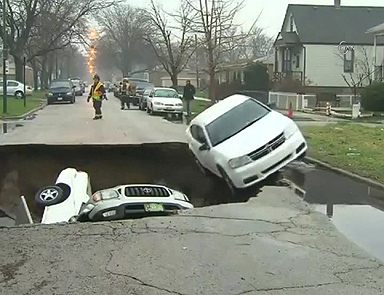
(273, 244)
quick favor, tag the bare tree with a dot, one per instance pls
(123, 27)
(23, 17)
(173, 49)
(361, 67)
(215, 23)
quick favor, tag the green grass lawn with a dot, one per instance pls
(352, 147)
(15, 107)
(197, 106)
(203, 93)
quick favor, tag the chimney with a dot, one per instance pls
(337, 3)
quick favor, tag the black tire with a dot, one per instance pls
(180, 115)
(19, 95)
(228, 181)
(50, 195)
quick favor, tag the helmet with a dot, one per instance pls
(96, 76)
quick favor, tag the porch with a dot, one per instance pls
(289, 58)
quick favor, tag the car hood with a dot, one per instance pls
(167, 100)
(60, 90)
(255, 136)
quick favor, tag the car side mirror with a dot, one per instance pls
(204, 147)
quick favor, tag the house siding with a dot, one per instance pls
(325, 66)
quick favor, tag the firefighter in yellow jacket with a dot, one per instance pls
(97, 93)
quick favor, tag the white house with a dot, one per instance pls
(319, 44)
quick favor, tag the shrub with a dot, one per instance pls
(226, 89)
(372, 97)
(256, 77)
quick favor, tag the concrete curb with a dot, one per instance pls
(25, 115)
(366, 180)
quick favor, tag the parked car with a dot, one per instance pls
(243, 141)
(144, 98)
(164, 100)
(71, 199)
(78, 88)
(140, 85)
(16, 89)
(180, 90)
(61, 90)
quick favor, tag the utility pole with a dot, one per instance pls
(5, 57)
(197, 63)
(25, 85)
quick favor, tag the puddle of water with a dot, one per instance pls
(355, 208)
(362, 224)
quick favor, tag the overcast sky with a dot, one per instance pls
(272, 11)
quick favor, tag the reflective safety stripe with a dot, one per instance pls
(96, 92)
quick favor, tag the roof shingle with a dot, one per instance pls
(326, 24)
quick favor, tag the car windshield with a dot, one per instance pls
(147, 91)
(166, 93)
(235, 120)
(60, 84)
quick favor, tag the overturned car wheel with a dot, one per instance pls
(49, 195)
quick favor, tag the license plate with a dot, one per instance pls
(152, 207)
(59, 98)
(169, 109)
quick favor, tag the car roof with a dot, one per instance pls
(218, 109)
(61, 80)
(163, 88)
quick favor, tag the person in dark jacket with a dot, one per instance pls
(188, 96)
(97, 93)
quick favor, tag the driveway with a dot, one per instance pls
(73, 124)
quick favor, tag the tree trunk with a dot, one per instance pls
(44, 76)
(212, 77)
(50, 69)
(19, 67)
(35, 74)
(174, 79)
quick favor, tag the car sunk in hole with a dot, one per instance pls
(71, 200)
(243, 141)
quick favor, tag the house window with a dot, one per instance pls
(349, 60)
(297, 60)
(287, 60)
(291, 23)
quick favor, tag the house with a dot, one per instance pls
(377, 66)
(231, 72)
(326, 46)
(161, 78)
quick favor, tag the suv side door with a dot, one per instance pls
(198, 140)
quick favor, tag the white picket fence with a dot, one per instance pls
(302, 101)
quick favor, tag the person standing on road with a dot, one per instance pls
(97, 93)
(124, 94)
(188, 96)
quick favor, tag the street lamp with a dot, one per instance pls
(93, 34)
